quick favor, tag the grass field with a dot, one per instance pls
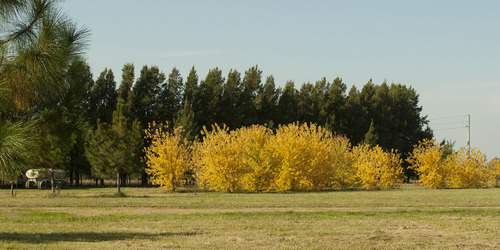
(149, 218)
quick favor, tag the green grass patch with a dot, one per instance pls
(410, 217)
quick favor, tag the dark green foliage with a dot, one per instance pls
(305, 105)
(191, 86)
(103, 97)
(267, 103)
(63, 124)
(144, 101)
(18, 147)
(186, 119)
(335, 100)
(170, 97)
(43, 84)
(251, 85)
(128, 75)
(206, 104)
(230, 101)
(371, 138)
(288, 108)
(115, 149)
(448, 148)
(356, 117)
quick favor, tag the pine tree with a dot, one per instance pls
(191, 87)
(103, 98)
(144, 101)
(288, 104)
(267, 103)
(207, 98)
(334, 102)
(186, 120)
(170, 97)
(252, 83)
(304, 103)
(371, 137)
(230, 109)
(36, 46)
(128, 75)
(114, 149)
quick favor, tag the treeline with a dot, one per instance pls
(55, 114)
(387, 115)
(99, 123)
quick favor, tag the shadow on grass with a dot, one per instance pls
(36, 238)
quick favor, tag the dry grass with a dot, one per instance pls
(410, 217)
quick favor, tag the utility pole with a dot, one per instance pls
(468, 134)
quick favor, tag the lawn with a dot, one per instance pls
(149, 218)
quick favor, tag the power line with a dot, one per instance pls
(440, 129)
(447, 117)
(444, 123)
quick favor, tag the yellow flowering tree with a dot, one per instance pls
(343, 171)
(494, 172)
(257, 157)
(427, 160)
(304, 157)
(468, 170)
(167, 158)
(219, 159)
(377, 168)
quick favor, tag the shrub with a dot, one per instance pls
(168, 158)
(377, 168)
(427, 160)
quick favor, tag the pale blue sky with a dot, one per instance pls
(449, 51)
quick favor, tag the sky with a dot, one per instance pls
(447, 50)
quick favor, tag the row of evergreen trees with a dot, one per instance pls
(53, 114)
(385, 115)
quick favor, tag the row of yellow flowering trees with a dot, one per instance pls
(462, 169)
(295, 157)
(301, 157)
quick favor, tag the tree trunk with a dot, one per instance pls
(144, 178)
(102, 182)
(12, 189)
(123, 179)
(77, 179)
(71, 177)
(53, 180)
(118, 184)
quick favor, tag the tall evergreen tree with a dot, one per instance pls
(103, 98)
(334, 102)
(267, 103)
(207, 99)
(128, 76)
(37, 43)
(186, 119)
(356, 117)
(252, 83)
(170, 97)
(305, 105)
(144, 102)
(114, 149)
(230, 109)
(191, 86)
(63, 125)
(288, 104)
(79, 79)
(319, 95)
(371, 137)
